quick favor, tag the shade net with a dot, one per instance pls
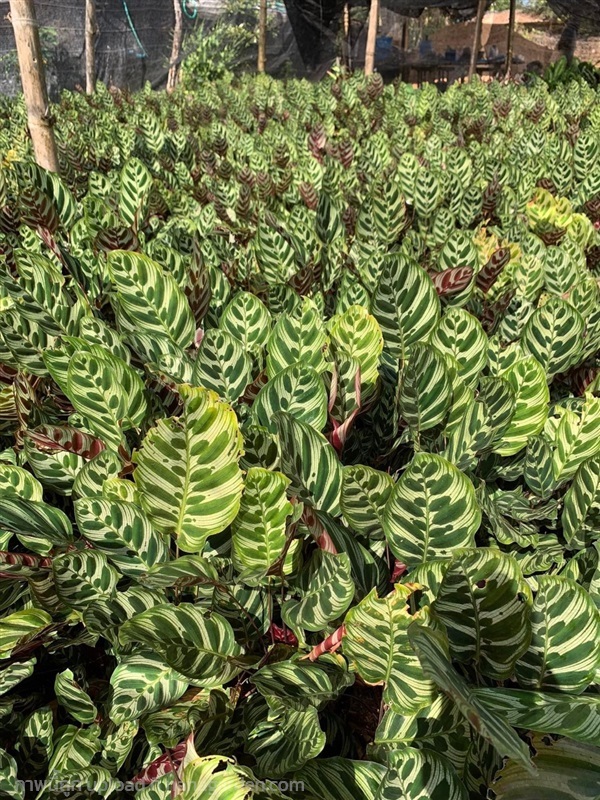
(305, 37)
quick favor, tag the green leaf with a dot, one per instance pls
(298, 338)
(300, 684)
(431, 511)
(425, 393)
(575, 716)
(461, 336)
(326, 590)
(136, 182)
(89, 479)
(429, 646)
(576, 438)
(299, 391)
(484, 607)
(527, 379)
(405, 305)
(206, 777)
(357, 334)
(200, 646)
(470, 437)
(554, 335)
(107, 614)
(259, 530)
(565, 647)
(108, 393)
(341, 779)
(74, 748)
(142, 683)
(117, 744)
(35, 740)
(148, 298)
(17, 482)
(311, 464)
(74, 699)
(365, 492)
(274, 254)
(182, 572)
(38, 524)
(581, 512)
(20, 627)
(377, 644)
(188, 472)
(539, 474)
(10, 787)
(222, 365)
(247, 319)
(14, 674)
(415, 774)
(565, 771)
(395, 731)
(286, 740)
(83, 577)
(123, 532)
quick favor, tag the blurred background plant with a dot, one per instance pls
(214, 48)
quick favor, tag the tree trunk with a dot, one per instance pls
(33, 80)
(91, 31)
(568, 38)
(477, 38)
(372, 38)
(262, 36)
(510, 41)
(176, 49)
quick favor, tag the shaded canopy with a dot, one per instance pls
(316, 22)
(585, 12)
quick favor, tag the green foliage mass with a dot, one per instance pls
(300, 443)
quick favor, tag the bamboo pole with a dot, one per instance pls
(510, 42)
(176, 48)
(262, 36)
(371, 38)
(33, 80)
(477, 38)
(91, 31)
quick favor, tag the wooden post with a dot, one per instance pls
(372, 38)
(404, 42)
(347, 43)
(510, 42)
(91, 31)
(262, 36)
(405, 73)
(33, 80)
(176, 48)
(477, 38)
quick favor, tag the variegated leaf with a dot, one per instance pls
(198, 645)
(299, 391)
(141, 683)
(123, 532)
(222, 365)
(483, 603)
(188, 472)
(564, 652)
(311, 464)
(431, 511)
(259, 530)
(376, 642)
(326, 590)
